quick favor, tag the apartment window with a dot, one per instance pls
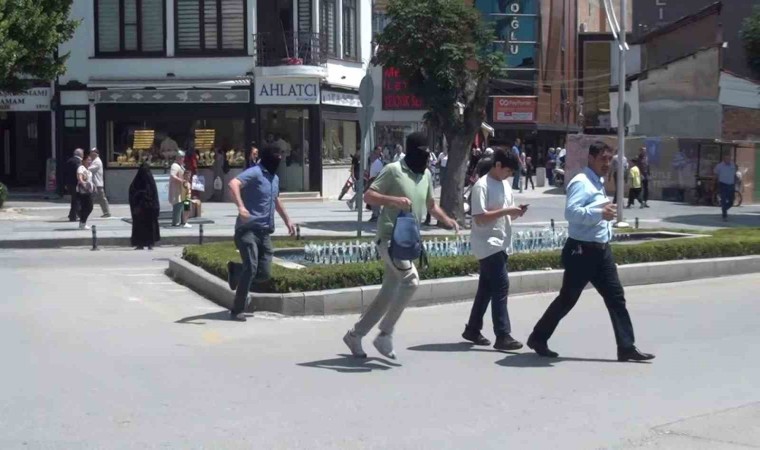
(210, 26)
(75, 118)
(130, 27)
(329, 23)
(350, 30)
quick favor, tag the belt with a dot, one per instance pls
(593, 245)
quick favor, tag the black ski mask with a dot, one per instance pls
(270, 159)
(417, 153)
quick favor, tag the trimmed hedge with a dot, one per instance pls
(724, 243)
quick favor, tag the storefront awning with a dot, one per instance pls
(169, 83)
(487, 129)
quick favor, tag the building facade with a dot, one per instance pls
(148, 77)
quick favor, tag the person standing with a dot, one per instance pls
(376, 166)
(614, 170)
(84, 189)
(529, 169)
(517, 152)
(402, 186)
(493, 209)
(144, 206)
(645, 174)
(551, 162)
(71, 180)
(443, 162)
(726, 177)
(176, 182)
(96, 168)
(587, 258)
(256, 193)
(635, 191)
(398, 155)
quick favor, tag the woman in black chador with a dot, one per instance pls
(144, 205)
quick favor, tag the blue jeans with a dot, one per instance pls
(256, 253)
(493, 288)
(727, 194)
(516, 180)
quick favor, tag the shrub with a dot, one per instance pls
(725, 243)
(3, 194)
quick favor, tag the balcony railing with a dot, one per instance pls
(290, 49)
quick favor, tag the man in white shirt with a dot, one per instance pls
(614, 171)
(374, 170)
(96, 168)
(726, 174)
(493, 209)
(176, 180)
(399, 154)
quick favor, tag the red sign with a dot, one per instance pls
(396, 92)
(514, 109)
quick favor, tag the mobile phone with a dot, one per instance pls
(524, 207)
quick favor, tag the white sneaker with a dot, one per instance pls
(187, 225)
(384, 344)
(83, 226)
(354, 343)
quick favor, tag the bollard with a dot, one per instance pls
(637, 223)
(552, 224)
(94, 238)
(200, 235)
(298, 232)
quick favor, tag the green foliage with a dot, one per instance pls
(3, 194)
(725, 243)
(30, 33)
(750, 35)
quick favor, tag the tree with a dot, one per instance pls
(750, 35)
(30, 33)
(445, 50)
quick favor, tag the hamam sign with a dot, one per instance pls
(514, 109)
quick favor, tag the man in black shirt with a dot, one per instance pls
(70, 181)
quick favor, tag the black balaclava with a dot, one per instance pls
(270, 158)
(417, 153)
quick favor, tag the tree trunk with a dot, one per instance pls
(452, 185)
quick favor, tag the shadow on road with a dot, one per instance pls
(526, 360)
(351, 364)
(735, 220)
(452, 347)
(200, 319)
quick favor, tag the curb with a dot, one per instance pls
(449, 290)
(120, 241)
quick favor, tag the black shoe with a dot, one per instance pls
(475, 337)
(541, 348)
(240, 317)
(507, 343)
(633, 354)
(372, 219)
(139, 247)
(232, 276)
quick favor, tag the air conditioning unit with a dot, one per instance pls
(582, 27)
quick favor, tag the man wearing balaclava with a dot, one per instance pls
(256, 194)
(402, 185)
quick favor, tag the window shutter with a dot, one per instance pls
(108, 26)
(130, 25)
(327, 17)
(188, 25)
(152, 25)
(210, 21)
(304, 16)
(349, 28)
(233, 25)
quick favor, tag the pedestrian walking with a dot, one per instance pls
(645, 174)
(614, 171)
(517, 152)
(85, 188)
(529, 171)
(635, 192)
(176, 187)
(493, 209)
(398, 154)
(587, 258)
(71, 182)
(144, 206)
(401, 186)
(443, 162)
(725, 172)
(376, 166)
(96, 168)
(256, 193)
(551, 163)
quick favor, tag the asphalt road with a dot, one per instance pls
(101, 350)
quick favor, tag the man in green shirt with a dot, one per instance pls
(403, 185)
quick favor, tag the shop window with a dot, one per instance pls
(328, 21)
(75, 118)
(131, 142)
(211, 26)
(340, 141)
(288, 130)
(130, 27)
(350, 30)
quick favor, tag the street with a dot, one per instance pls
(102, 350)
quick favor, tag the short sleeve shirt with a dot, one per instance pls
(726, 173)
(175, 188)
(259, 191)
(375, 168)
(398, 180)
(490, 194)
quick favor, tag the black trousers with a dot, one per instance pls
(645, 189)
(633, 195)
(85, 206)
(588, 263)
(74, 211)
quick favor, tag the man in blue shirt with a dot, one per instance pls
(726, 174)
(256, 195)
(516, 180)
(587, 258)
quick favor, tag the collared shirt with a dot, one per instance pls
(585, 202)
(398, 180)
(726, 173)
(97, 172)
(259, 191)
(375, 168)
(490, 194)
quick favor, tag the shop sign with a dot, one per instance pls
(287, 91)
(36, 99)
(174, 96)
(514, 109)
(341, 99)
(396, 92)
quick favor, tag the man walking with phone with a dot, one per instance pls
(587, 258)
(493, 209)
